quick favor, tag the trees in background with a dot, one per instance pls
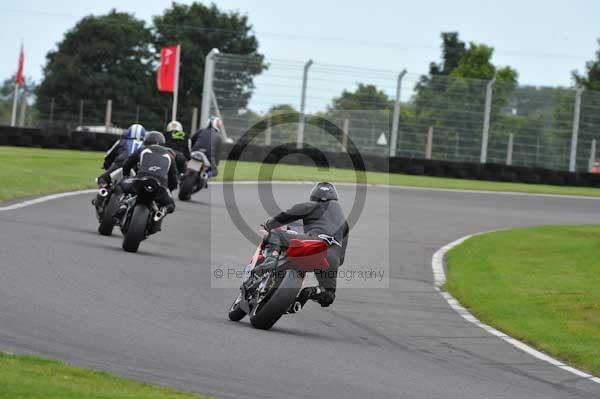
(451, 98)
(591, 78)
(115, 56)
(102, 57)
(199, 29)
(7, 91)
(365, 97)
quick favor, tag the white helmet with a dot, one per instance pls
(215, 123)
(174, 126)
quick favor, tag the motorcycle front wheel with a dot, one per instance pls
(283, 293)
(235, 312)
(107, 223)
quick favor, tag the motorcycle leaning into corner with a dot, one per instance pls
(195, 177)
(267, 294)
(142, 216)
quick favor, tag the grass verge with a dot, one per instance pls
(539, 285)
(32, 171)
(28, 377)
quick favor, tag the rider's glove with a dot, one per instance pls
(268, 224)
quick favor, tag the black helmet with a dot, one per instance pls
(154, 138)
(323, 191)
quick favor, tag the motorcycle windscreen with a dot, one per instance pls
(308, 255)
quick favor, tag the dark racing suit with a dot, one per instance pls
(321, 220)
(180, 142)
(157, 162)
(209, 140)
(118, 154)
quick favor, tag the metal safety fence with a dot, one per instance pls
(385, 113)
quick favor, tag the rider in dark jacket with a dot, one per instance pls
(121, 150)
(323, 219)
(209, 141)
(153, 160)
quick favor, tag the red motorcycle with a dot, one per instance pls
(269, 294)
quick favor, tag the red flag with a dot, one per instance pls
(167, 70)
(19, 79)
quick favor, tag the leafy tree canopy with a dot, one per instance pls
(591, 78)
(199, 29)
(365, 97)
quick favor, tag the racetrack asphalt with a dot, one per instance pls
(68, 293)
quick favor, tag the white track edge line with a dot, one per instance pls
(439, 277)
(450, 190)
(45, 198)
(437, 265)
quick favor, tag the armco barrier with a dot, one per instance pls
(87, 141)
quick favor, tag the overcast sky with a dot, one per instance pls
(543, 40)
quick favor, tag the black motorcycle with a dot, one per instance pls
(266, 295)
(142, 217)
(195, 177)
(106, 203)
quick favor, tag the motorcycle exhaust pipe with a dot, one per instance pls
(158, 216)
(296, 307)
(204, 175)
(103, 192)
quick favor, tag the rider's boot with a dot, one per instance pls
(323, 296)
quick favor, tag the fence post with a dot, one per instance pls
(456, 145)
(108, 116)
(575, 132)
(51, 111)
(23, 110)
(81, 113)
(345, 136)
(486, 119)
(300, 137)
(396, 120)
(268, 132)
(429, 143)
(592, 156)
(215, 104)
(509, 149)
(194, 120)
(207, 89)
(137, 114)
(13, 117)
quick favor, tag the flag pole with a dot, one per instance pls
(18, 82)
(176, 86)
(13, 119)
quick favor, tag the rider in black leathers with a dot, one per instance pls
(153, 160)
(209, 141)
(122, 149)
(323, 219)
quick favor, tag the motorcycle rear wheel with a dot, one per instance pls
(186, 188)
(283, 295)
(136, 231)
